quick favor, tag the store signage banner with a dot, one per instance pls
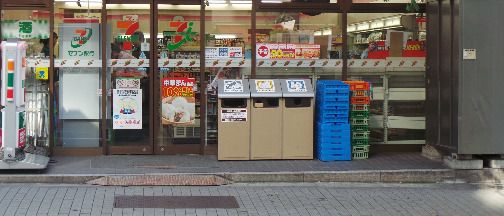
(233, 115)
(287, 51)
(223, 52)
(127, 109)
(178, 101)
(265, 86)
(21, 130)
(80, 41)
(25, 29)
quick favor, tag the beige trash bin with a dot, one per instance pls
(234, 120)
(297, 129)
(266, 119)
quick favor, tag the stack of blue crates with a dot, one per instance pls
(332, 116)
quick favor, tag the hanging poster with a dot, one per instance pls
(296, 86)
(125, 83)
(233, 86)
(178, 101)
(265, 86)
(127, 109)
(80, 41)
(233, 115)
(25, 29)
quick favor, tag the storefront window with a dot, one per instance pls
(228, 53)
(77, 73)
(299, 45)
(128, 71)
(32, 27)
(300, 1)
(178, 92)
(388, 50)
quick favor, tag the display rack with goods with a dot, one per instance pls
(359, 118)
(332, 126)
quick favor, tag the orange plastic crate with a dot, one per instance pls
(360, 100)
(358, 85)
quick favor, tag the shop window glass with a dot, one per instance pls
(178, 88)
(228, 53)
(128, 72)
(77, 74)
(300, 1)
(388, 50)
(32, 27)
(299, 45)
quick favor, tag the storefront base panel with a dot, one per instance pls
(77, 151)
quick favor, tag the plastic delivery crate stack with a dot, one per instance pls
(332, 121)
(359, 118)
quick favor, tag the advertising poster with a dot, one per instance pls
(80, 41)
(178, 101)
(233, 86)
(296, 86)
(287, 51)
(265, 85)
(127, 109)
(233, 115)
(21, 130)
(223, 52)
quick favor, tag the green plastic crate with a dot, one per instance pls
(356, 142)
(359, 121)
(359, 114)
(360, 128)
(360, 148)
(360, 135)
(360, 155)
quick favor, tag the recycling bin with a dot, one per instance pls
(266, 119)
(234, 120)
(297, 130)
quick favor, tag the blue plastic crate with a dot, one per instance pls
(332, 84)
(343, 156)
(333, 127)
(326, 93)
(323, 98)
(332, 118)
(333, 139)
(332, 146)
(341, 111)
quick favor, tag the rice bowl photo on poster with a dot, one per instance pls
(178, 102)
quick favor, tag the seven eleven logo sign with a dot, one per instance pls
(131, 27)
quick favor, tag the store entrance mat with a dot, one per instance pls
(169, 202)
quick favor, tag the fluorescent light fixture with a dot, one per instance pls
(82, 1)
(225, 36)
(240, 2)
(216, 1)
(271, 1)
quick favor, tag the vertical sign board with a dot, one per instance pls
(80, 41)
(127, 109)
(178, 101)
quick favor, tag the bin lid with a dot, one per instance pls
(233, 88)
(265, 88)
(297, 88)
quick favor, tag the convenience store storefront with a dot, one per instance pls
(101, 83)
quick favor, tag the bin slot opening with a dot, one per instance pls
(297, 102)
(265, 102)
(234, 103)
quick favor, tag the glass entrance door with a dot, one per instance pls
(129, 76)
(178, 92)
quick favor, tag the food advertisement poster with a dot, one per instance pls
(127, 109)
(296, 86)
(178, 101)
(265, 86)
(287, 51)
(233, 115)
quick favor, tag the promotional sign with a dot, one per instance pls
(80, 41)
(265, 85)
(287, 51)
(42, 73)
(178, 101)
(21, 129)
(223, 52)
(88, 16)
(233, 115)
(233, 86)
(25, 29)
(127, 109)
(296, 86)
(125, 83)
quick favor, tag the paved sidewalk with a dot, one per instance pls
(130, 164)
(263, 199)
